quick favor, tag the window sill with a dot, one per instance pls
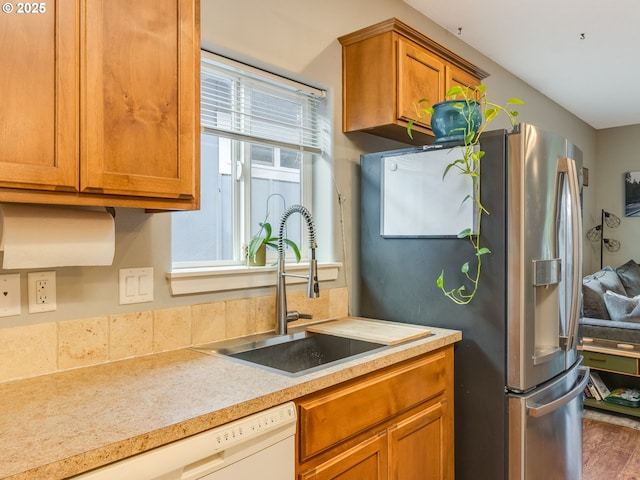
(200, 280)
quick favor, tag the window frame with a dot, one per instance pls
(183, 274)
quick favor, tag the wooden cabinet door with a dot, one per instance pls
(457, 76)
(421, 447)
(38, 102)
(421, 75)
(140, 98)
(365, 461)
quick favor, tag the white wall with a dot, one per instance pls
(617, 153)
(299, 38)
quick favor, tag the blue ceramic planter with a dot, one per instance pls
(449, 120)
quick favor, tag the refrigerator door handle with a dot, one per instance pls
(567, 167)
(537, 410)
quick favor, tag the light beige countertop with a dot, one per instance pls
(59, 425)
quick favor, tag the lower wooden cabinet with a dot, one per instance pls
(418, 446)
(396, 424)
(367, 460)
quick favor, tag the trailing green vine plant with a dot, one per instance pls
(469, 164)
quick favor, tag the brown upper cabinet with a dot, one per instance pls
(386, 69)
(101, 103)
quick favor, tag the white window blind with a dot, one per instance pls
(249, 106)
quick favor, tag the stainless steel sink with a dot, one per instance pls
(294, 354)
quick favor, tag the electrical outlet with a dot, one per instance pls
(42, 291)
(10, 295)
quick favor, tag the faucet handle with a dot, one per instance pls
(294, 315)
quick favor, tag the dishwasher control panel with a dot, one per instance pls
(254, 425)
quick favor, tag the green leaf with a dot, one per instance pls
(254, 245)
(490, 113)
(468, 139)
(267, 229)
(465, 268)
(455, 90)
(483, 251)
(272, 242)
(465, 233)
(450, 166)
(477, 155)
(294, 247)
(409, 127)
(440, 280)
(515, 101)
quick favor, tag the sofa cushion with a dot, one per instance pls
(629, 274)
(622, 308)
(593, 288)
(624, 332)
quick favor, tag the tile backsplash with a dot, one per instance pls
(32, 350)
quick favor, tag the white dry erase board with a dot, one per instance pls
(418, 202)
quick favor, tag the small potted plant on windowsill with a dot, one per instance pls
(257, 248)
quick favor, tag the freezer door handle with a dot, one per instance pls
(541, 410)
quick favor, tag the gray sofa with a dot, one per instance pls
(611, 304)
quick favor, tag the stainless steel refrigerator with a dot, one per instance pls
(518, 375)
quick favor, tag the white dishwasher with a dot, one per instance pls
(261, 446)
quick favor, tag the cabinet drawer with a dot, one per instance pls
(613, 363)
(354, 408)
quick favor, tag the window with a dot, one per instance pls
(261, 136)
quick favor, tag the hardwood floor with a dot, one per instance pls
(610, 451)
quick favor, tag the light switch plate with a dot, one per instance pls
(136, 285)
(10, 295)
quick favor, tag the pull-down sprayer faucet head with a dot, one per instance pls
(313, 287)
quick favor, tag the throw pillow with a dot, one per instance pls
(593, 288)
(622, 308)
(629, 274)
